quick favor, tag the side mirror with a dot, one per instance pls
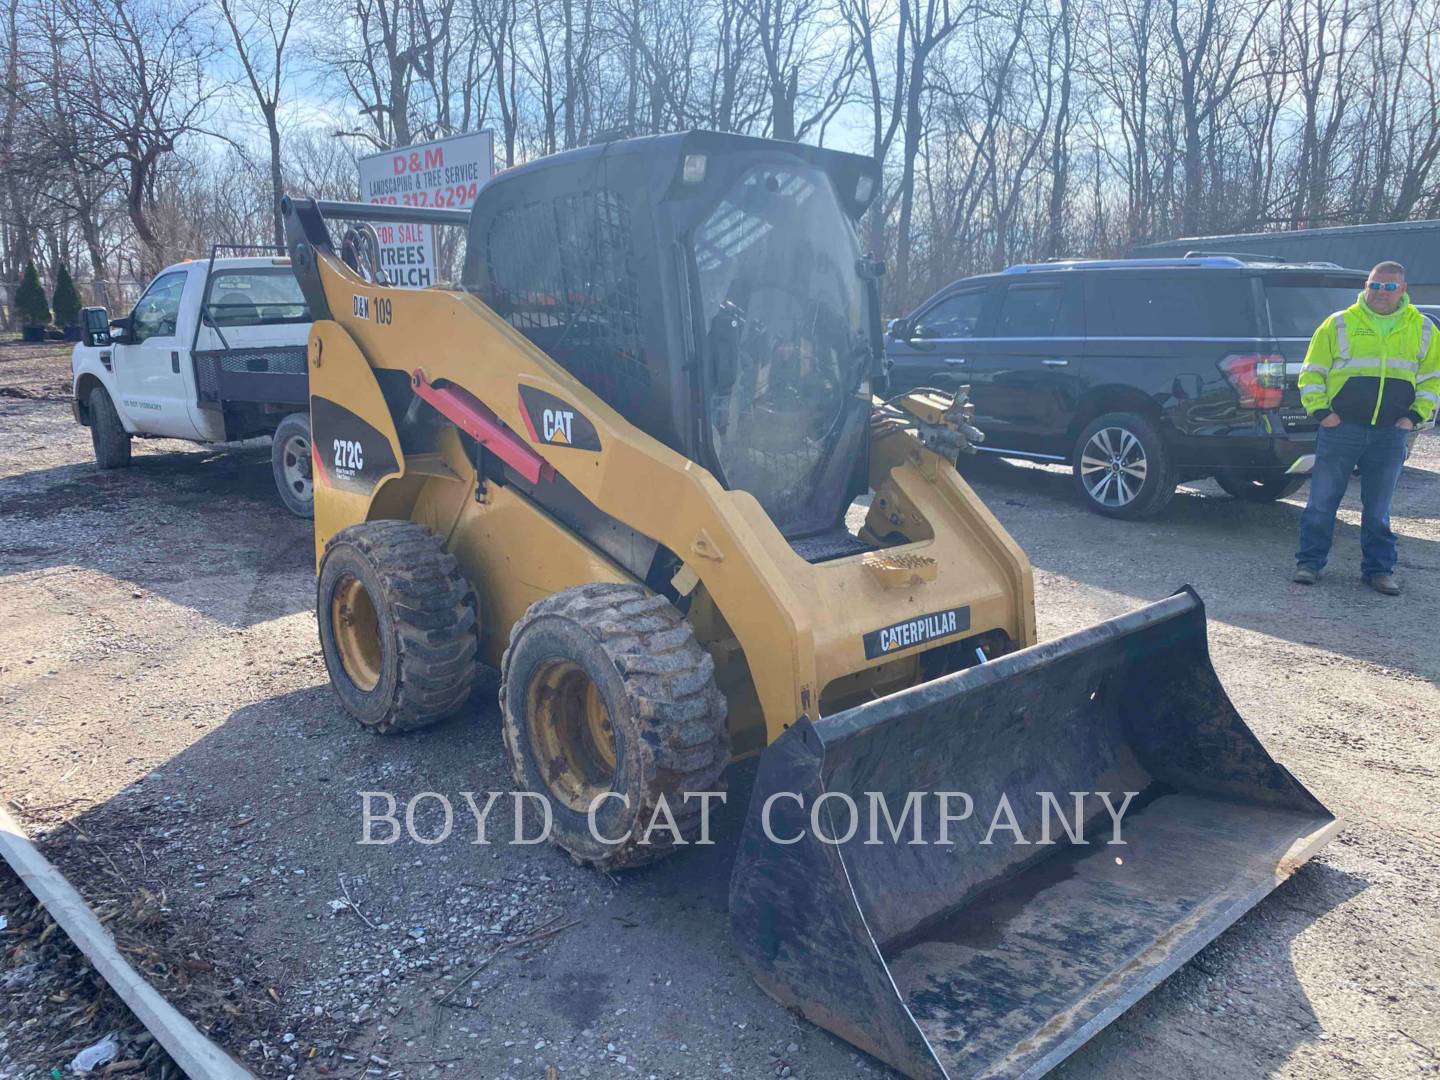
(119, 331)
(899, 329)
(94, 326)
(870, 268)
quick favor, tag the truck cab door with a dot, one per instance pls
(150, 360)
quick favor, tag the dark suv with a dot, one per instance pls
(1139, 373)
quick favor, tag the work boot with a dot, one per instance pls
(1383, 583)
(1305, 576)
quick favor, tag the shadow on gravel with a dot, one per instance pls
(1238, 555)
(220, 504)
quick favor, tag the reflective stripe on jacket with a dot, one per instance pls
(1367, 376)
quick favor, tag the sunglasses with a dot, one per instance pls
(1388, 286)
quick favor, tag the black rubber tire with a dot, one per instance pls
(428, 627)
(1158, 487)
(667, 715)
(1259, 487)
(290, 462)
(107, 434)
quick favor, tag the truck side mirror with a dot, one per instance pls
(898, 329)
(94, 326)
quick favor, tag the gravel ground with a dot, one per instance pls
(169, 734)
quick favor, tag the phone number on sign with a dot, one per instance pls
(461, 195)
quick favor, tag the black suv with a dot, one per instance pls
(1139, 373)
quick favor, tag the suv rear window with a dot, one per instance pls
(1195, 304)
(1299, 305)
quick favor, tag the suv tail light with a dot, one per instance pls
(1258, 378)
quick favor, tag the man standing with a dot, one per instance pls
(1371, 375)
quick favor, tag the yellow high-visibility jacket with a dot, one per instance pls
(1367, 376)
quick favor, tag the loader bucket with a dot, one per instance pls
(1000, 959)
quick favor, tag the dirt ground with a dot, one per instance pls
(168, 733)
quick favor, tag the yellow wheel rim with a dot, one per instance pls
(571, 733)
(357, 632)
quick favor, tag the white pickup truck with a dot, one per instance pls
(214, 351)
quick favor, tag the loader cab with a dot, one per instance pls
(712, 289)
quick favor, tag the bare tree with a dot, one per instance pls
(1401, 111)
(138, 71)
(878, 39)
(1210, 39)
(261, 29)
(19, 234)
(1061, 55)
(322, 166)
(1319, 33)
(60, 142)
(797, 41)
(1041, 128)
(1121, 63)
(390, 49)
(926, 24)
(495, 24)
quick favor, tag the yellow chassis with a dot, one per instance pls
(783, 632)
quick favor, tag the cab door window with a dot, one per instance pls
(158, 312)
(956, 316)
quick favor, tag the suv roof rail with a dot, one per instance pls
(1241, 255)
(1125, 264)
(1277, 260)
(1189, 260)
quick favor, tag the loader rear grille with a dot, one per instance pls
(562, 272)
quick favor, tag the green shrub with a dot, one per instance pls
(66, 300)
(30, 299)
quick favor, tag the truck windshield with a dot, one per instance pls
(786, 349)
(258, 297)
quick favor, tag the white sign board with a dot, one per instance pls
(446, 173)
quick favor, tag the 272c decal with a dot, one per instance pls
(349, 455)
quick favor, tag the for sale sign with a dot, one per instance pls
(446, 173)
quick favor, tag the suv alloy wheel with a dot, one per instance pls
(1122, 467)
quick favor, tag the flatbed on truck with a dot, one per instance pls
(213, 352)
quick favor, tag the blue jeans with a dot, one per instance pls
(1380, 454)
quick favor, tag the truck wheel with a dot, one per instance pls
(290, 461)
(1122, 467)
(397, 625)
(610, 702)
(1259, 487)
(107, 434)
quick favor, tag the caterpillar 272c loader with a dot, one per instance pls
(615, 463)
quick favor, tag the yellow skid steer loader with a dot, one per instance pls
(615, 463)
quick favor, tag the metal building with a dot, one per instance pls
(1413, 244)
